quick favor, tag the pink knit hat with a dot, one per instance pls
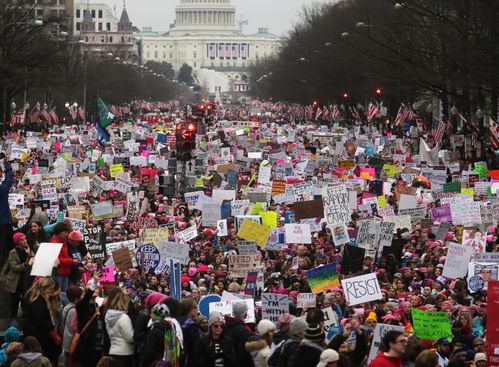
(153, 299)
(17, 237)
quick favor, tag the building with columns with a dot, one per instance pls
(206, 36)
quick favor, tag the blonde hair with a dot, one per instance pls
(119, 302)
(40, 289)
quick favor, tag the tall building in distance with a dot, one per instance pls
(207, 37)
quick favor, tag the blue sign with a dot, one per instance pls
(147, 257)
(204, 303)
(225, 209)
(476, 283)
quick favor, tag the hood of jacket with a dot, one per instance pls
(30, 357)
(112, 317)
(311, 344)
(255, 345)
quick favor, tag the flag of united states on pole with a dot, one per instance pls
(372, 111)
(318, 113)
(494, 134)
(402, 115)
(439, 128)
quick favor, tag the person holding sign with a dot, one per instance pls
(61, 232)
(394, 344)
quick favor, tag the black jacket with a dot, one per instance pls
(205, 353)
(307, 354)
(153, 347)
(191, 334)
(236, 330)
(91, 341)
(357, 355)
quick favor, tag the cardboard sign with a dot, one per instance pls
(336, 205)
(241, 265)
(176, 251)
(330, 319)
(253, 231)
(43, 264)
(122, 259)
(306, 300)
(110, 247)
(77, 211)
(323, 278)
(456, 263)
(298, 233)
(155, 235)
(431, 325)
(379, 332)
(278, 187)
(361, 289)
(273, 306)
(309, 209)
(386, 234)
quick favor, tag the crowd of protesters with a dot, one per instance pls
(76, 318)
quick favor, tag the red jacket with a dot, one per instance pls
(382, 360)
(65, 261)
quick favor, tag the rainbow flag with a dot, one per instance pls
(323, 278)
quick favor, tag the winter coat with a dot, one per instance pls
(37, 322)
(65, 261)
(309, 355)
(31, 360)
(259, 351)
(153, 347)
(206, 353)
(382, 360)
(284, 352)
(236, 330)
(68, 313)
(12, 272)
(5, 216)
(120, 330)
(191, 333)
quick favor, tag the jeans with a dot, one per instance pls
(63, 282)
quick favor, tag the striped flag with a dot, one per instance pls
(46, 115)
(81, 111)
(325, 113)
(355, 114)
(402, 115)
(54, 116)
(35, 114)
(18, 117)
(439, 127)
(336, 112)
(372, 111)
(318, 113)
(470, 126)
(494, 134)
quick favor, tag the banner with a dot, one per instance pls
(492, 332)
(361, 289)
(323, 278)
(336, 205)
(241, 265)
(431, 325)
(273, 306)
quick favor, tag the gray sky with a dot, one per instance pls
(277, 15)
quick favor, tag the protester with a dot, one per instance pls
(427, 358)
(10, 336)
(394, 346)
(31, 355)
(6, 230)
(69, 322)
(236, 331)
(259, 346)
(61, 232)
(329, 358)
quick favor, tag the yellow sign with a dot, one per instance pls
(252, 231)
(382, 202)
(269, 219)
(114, 169)
(257, 209)
(390, 169)
(154, 235)
(469, 192)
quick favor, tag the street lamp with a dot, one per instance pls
(362, 25)
(453, 110)
(63, 34)
(75, 104)
(38, 22)
(13, 105)
(66, 105)
(345, 34)
(398, 6)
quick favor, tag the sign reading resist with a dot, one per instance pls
(364, 288)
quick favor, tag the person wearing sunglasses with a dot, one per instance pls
(214, 349)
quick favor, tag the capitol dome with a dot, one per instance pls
(205, 16)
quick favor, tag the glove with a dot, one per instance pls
(56, 338)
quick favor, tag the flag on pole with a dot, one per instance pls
(73, 112)
(34, 115)
(355, 113)
(402, 115)
(18, 117)
(439, 127)
(372, 111)
(102, 134)
(318, 113)
(46, 115)
(494, 134)
(54, 116)
(81, 111)
(470, 126)
(105, 116)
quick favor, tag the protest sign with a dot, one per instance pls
(172, 250)
(211, 214)
(361, 289)
(441, 214)
(298, 233)
(492, 324)
(253, 231)
(379, 332)
(154, 235)
(78, 224)
(110, 247)
(340, 234)
(107, 275)
(368, 234)
(269, 219)
(122, 259)
(144, 222)
(77, 211)
(148, 257)
(475, 239)
(306, 300)
(92, 237)
(225, 308)
(431, 325)
(222, 228)
(193, 199)
(115, 169)
(401, 221)
(247, 247)
(48, 190)
(239, 207)
(486, 257)
(188, 234)
(386, 234)
(336, 205)
(241, 265)
(278, 187)
(415, 214)
(43, 264)
(330, 319)
(15, 200)
(273, 306)
(309, 209)
(323, 278)
(102, 210)
(456, 263)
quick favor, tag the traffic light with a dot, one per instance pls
(186, 140)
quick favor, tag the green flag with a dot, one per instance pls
(105, 116)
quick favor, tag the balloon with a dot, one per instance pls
(421, 181)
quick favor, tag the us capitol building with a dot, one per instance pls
(206, 36)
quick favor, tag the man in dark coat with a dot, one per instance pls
(239, 333)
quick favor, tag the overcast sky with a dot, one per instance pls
(277, 15)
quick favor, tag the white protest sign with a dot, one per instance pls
(193, 199)
(264, 174)
(401, 221)
(247, 247)
(241, 265)
(225, 308)
(188, 234)
(110, 247)
(306, 300)
(16, 200)
(49, 191)
(273, 306)
(368, 234)
(456, 263)
(222, 228)
(175, 251)
(330, 319)
(298, 233)
(361, 289)
(45, 258)
(379, 332)
(78, 224)
(211, 214)
(386, 230)
(219, 195)
(239, 207)
(336, 205)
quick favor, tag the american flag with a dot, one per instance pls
(35, 114)
(421, 123)
(372, 111)
(309, 112)
(221, 50)
(470, 126)
(402, 115)
(494, 134)
(325, 113)
(18, 117)
(212, 50)
(81, 111)
(355, 113)
(54, 116)
(336, 113)
(318, 113)
(73, 111)
(46, 115)
(439, 127)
